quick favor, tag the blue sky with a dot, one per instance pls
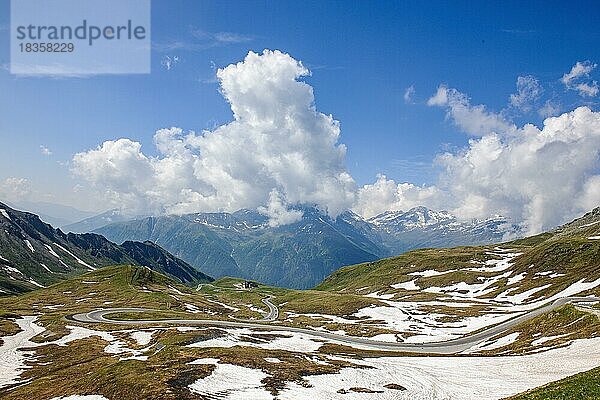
(363, 57)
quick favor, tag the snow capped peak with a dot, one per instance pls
(239, 221)
(384, 217)
(417, 217)
(443, 224)
(351, 216)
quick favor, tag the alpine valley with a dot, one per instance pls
(301, 254)
(99, 320)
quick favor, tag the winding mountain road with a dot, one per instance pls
(452, 346)
(271, 315)
(273, 310)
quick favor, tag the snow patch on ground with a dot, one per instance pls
(75, 257)
(142, 337)
(497, 265)
(590, 224)
(12, 358)
(5, 214)
(192, 308)
(28, 243)
(430, 272)
(54, 307)
(46, 268)
(520, 298)
(178, 291)
(494, 343)
(291, 341)
(545, 339)
(463, 290)
(410, 285)
(232, 382)
(425, 326)
(424, 378)
(51, 251)
(455, 378)
(517, 278)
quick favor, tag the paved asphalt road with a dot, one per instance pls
(447, 347)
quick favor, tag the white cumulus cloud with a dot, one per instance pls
(541, 177)
(278, 151)
(474, 120)
(278, 211)
(528, 91)
(538, 177)
(578, 79)
(387, 195)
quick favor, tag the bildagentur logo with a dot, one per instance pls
(85, 31)
(80, 37)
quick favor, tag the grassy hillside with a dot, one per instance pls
(583, 386)
(551, 262)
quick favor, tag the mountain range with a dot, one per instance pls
(34, 254)
(301, 254)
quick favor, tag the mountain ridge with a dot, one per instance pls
(301, 254)
(34, 254)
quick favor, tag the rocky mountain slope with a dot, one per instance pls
(301, 254)
(33, 254)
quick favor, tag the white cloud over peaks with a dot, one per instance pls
(529, 90)
(278, 150)
(387, 195)
(541, 177)
(578, 79)
(474, 120)
(278, 212)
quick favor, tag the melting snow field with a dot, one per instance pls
(290, 341)
(12, 357)
(232, 382)
(422, 325)
(494, 344)
(430, 378)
